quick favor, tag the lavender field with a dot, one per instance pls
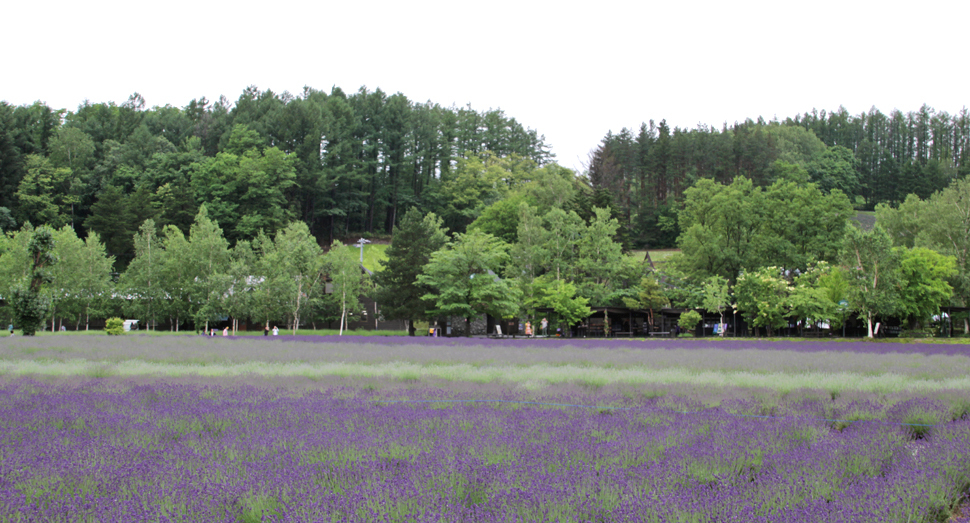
(98, 443)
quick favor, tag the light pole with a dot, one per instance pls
(735, 322)
(360, 243)
(843, 305)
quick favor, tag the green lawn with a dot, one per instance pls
(189, 332)
(374, 253)
(657, 255)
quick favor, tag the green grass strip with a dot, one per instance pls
(529, 376)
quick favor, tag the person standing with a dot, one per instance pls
(225, 331)
(528, 329)
(276, 330)
(266, 330)
(545, 326)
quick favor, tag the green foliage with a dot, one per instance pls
(293, 267)
(81, 279)
(29, 309)
(464, 276)
(43, 193)
(501, 219)
(835, 169)
(940, 223)
(560, 296)
(30, 304)
(923, 283)
(398, 291)
(871, 264)
(346, 276)
(689, 319)
(789, 172)
(244, 186)
(114, 327)
(810, 301)
(479, 182)
(649, 296)
(717, 298)
(740, 225)
(551, 186)
(563, 231)
(358, 162)
(762, 296)
(599, 259)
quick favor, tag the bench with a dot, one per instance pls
(659, 333)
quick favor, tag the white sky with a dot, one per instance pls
(570, 71)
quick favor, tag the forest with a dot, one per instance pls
(871, 157)
(183, 216)
(347, 164)
(340, 163)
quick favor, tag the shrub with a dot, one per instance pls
(917, 333)
(29, 309)
(114, 326)
(689, 320)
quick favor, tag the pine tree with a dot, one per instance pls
(399, 293)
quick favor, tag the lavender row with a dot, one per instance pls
(106, 452)
(802, 345)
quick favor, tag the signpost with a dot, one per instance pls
(360, 243)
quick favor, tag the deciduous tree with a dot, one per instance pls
(346, 276)
(464, 276)
(872, 266)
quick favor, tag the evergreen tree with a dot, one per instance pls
(30, 304)
(399, 294)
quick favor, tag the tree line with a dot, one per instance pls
(787, 254)
(176, 214)
(338, 162)
(180, 280)
(871, 157)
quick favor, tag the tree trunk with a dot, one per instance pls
(869, 323)
(343, 311)
(296, 313)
